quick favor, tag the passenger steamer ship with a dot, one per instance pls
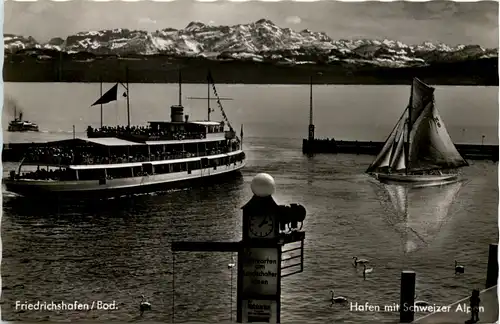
(113, 160)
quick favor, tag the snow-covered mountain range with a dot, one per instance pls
(258, 41)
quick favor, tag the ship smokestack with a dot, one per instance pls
(176, 113)
(186, 117)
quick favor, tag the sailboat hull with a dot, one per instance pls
(417, 180)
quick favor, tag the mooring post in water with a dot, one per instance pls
(492, 272)
(267, 227)
(406, 309)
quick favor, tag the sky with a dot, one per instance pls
(448, 22)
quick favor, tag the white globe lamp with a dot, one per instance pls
(263, 185)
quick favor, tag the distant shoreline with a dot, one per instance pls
(483, 72)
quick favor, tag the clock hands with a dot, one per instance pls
(264, 222)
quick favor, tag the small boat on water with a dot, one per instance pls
(419, 150)
(20, 125)
(127, 159)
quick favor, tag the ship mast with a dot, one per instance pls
(100, 79)
(180, 87)
(128, 97)
(208, 98)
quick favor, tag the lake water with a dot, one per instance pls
(119, 249)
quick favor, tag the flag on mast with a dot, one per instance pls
(241, 132)
(110, 95)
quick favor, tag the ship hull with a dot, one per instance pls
(92, 189)
(22, 128)
(417, 180)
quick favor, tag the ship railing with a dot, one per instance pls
(58, 161)
(141, 137)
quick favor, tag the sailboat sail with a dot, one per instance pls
(419, 214)
(421, 96)
(383, 159)
(429, 144)
(398, 155)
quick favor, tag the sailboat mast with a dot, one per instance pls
(408, 130)
(100, 79)
(128, 97)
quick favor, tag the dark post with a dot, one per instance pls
(492, 272)
(311, 125)
(406, 311)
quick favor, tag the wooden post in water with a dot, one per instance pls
(406, 310)
(492, 272)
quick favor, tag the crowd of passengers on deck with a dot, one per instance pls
(67, 156)
(43, 174)
(144, 131)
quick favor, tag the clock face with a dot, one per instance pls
(261, 226)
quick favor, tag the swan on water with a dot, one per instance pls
(459, 268)
(338, 299)
(360, 261)
(365, 271)
(144, 306)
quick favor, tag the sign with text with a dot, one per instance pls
(263, 311)
(260, 271)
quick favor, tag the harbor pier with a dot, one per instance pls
(313, 145)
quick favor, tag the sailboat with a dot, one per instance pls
(419, 150)
(418, 215)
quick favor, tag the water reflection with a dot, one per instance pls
(418, 214)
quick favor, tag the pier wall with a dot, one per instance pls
(468, 151)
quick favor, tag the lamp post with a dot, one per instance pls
(259, 251)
